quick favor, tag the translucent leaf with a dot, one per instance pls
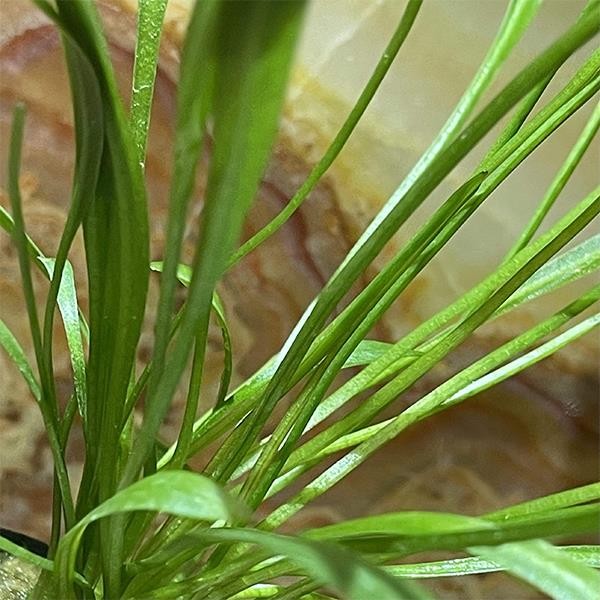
(69, 311)
(563, 269)
(546, 568)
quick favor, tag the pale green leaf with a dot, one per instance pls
(16, 353)
(473, 565)
(562, 269)
(546, 568)
(69, 311)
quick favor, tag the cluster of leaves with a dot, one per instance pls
(106, 542)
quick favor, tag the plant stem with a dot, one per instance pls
(560, 181)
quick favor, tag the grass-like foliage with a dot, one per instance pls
(107, 541)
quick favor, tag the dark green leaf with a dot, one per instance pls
(385, 62)
(47, 402)
(254, 44)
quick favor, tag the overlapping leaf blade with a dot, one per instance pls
(326, 564)
(69, 311)
(254, 44)
(546, 568)
(175, 492)
(15, 352)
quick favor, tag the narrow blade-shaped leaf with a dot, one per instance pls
(178, 493)
(546, 568)
(564, 268)
(255, 41)
(149, 29)
(588, 555)
(69, 311)
(327, 564)
(14, 350)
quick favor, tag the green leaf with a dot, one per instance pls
(546, 568)
(69, 311)
(266, 590)
(219, 310)
(407, 523)
(117, 248)
(254, 45)
(184, 275)
(12, 347)
(527, 360)
(522, 267)
(369, 306)
(325, 563)
(560, 180)
(115, 226)
(518, 16)
(366, 352)
(352, 326)
(588, 555)
(178, 493)
(564, 268)
(385, 62)
(533, 561)
(564, 499)
(571, 265)
(8, 224)
(193, 102)
(47, 403)
(396, 536)
(20, 241)
(89, 130)
(236, 67)
(26, 555)
(580, 88)
(36, 560)
(468, 384)
(375, 436)
(358, 259)
(149, 28)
